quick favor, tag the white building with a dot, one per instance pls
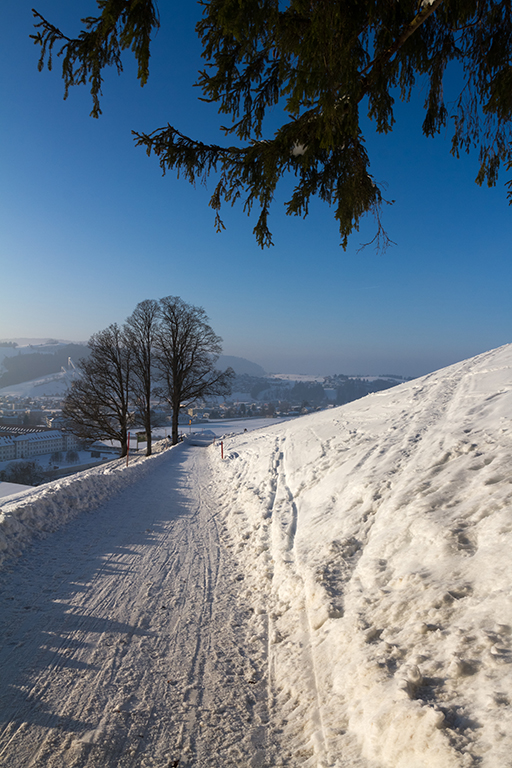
(7, 448)
(36, 444)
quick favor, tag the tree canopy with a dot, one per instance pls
(168, 342)
(186, 351)
(97, 406)
(139, 334)
(325, 63)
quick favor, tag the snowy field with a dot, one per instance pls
(84, 460)
(334, 593)
(12, 489)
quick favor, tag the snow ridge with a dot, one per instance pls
(378, 535)
(36, 512)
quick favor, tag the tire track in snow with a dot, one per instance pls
(74, 631)
(137, 652)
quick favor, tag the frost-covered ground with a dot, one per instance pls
(335, 592)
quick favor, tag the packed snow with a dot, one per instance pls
(329, 592)
(11, 489)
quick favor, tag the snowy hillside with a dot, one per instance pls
(371, 622)
(54, 385)
(381, 533)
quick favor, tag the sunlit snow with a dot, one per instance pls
(354, 609)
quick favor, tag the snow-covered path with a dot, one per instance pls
(332, 593)
(125, 641)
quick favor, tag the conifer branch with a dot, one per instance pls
(319, 60)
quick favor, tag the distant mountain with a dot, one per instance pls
(32, 342)
(33, 358)
(36, 362)
(240, 365)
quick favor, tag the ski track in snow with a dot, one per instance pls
(334, 593)
(129, 646)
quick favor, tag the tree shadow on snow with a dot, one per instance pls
(56, 633)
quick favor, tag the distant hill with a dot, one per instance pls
(34, 358)
(240, 365)
(30, 365)
(54, 385)
(32, 342)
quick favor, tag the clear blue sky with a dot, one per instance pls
(89, 227)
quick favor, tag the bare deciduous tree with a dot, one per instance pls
(23, 473)
(186, 352)
(97, 406)
(139, 330)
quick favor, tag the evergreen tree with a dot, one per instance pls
(324, 62)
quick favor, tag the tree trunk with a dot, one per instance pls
(147, 427)
(175, 432)
(124, 441)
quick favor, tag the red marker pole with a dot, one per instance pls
(222, 449)
(128, 449)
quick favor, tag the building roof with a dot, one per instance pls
(38, 436)
(49, 434)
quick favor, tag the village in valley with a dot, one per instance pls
(36, 445)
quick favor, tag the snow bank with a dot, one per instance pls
(47, 507)
(373, 545)
(377, 541)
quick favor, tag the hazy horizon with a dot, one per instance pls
(90, 227)
(379, 368)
